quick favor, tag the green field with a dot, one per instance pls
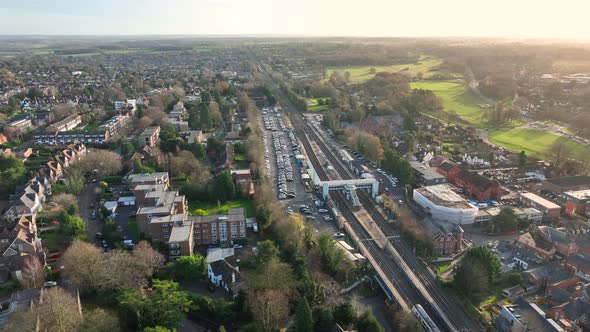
(313, 106)
(456, 99)
(535, 143)
(211, 208)
(428, 66)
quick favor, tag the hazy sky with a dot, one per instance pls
(501, 18)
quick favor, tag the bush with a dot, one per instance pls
(112, 179)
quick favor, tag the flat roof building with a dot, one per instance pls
(444, 204)
(577, 202)
(549, 209)
(568, 183)
(426, 175)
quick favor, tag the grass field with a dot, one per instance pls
(535, 143)
(456, 99)
(133, 228)
(428, 66)
(212, 208)
(313, 106)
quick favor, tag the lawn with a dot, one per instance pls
(133, 228)
(212, 208)
(314, 106)
(456, 99)
(241, 161)
(427, 65)
(535, 143)
(52, 240)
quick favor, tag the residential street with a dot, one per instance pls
(88, 196)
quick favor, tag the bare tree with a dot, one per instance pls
(104, 162)
(100, 320)
(24, 320)
(83, 262)
(269, 307)
(33, 272)
(147, 258)
(59, 311)
(64, 200)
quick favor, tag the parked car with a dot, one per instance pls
(48, 284)
(322, 211)
(339, 234)
(98, 236)
(328, 218)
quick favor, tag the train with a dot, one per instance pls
(425, 320)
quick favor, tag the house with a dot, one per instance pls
(26, 204)
(159, 204)
(575, 312)
(67, 137)
(20, 122)
(149, 137)
(563, 244)
(580, 263)
(538, 244)
(115, 124)
(243, 179)
(447, 237)
(569, 183)
(66, 124)
(194, 136)
(148, 178)
(522, 316)
(223, 270)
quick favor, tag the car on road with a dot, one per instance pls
(339, 234)
(48, 284)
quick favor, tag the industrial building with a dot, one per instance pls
(444, 204)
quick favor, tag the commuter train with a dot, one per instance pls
(424, 319)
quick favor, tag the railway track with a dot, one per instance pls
(456, 319)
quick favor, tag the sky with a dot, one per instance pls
(563, 19)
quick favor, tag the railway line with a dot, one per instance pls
(416, 286)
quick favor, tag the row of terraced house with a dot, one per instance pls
(19, 241)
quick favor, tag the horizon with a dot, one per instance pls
(375, 19)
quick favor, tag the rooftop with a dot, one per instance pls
(181, 232)
(441, 194)
(579, 194)
(425, 171)
(570, 181)
(540, 200)
(149, 131)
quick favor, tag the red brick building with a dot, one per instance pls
(473, 184)
(577, 203)
(220, 228)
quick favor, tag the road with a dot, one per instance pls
(87, 197)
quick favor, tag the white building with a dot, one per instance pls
(444, 204)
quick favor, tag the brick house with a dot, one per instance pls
(563, 244)
(220, 228)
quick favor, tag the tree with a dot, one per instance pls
(332, 256)
(83, 261)
(303, 319)
(471, 278)
(325, 321)
(74, 181)
(204, 118)
(71, 225)
(506, 220)
(224, 188)
(100, 162)
(406, 321)
(267, 251)
(368, 323)
(163, 304)
(12, 173)
(522, 159)
(198, 151)
(59, 311)
(33, 273)
(269, 307)
(158, 329)
(146, 258)
(189, 267)
(344, 314)
(100, 320)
